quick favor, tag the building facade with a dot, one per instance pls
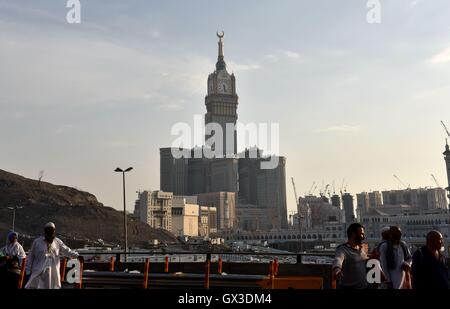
(207, 224)
(185, 217)
(375, 199)
(349, 209)
(155, 209)
(225, 204)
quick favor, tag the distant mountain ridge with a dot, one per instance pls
(78, 215)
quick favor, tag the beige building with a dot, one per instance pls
(155, 208)
(185, 216)
(207, 221)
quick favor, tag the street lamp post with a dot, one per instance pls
(124, 209)
(14, 215)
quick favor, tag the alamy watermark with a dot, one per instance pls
(74, 14)
(374, 14)
(221, 140)
(74, 273)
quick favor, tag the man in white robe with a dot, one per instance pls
(43, 260)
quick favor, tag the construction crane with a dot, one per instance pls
(435, 180)
(295, 192)
(326, 188)
(402, 183)
(312, 186)
(314, 189)
(445, 128)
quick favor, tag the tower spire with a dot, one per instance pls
(220, 65)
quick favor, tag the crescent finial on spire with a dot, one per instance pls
(220, 65)
(220, 35)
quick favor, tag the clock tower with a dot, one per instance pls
(221, 105)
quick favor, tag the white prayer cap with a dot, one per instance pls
(50, 224)
(385, 229)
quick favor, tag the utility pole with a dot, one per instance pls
(14, 208)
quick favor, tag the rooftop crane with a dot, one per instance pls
(312, 186)
(314, 189)
(435, 180)
(325, 191)
(321, 188)
(445, 128)
(403, 184)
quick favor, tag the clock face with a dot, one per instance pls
(224, 86)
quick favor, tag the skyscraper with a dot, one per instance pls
(240, 178)
(347, 201)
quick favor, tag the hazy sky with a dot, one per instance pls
(354, 100)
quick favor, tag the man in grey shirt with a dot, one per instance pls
(349, 265)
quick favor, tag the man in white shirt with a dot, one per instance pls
(43, 260)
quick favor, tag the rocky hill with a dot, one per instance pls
(78, 216)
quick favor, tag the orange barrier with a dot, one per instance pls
(293, 282)
(271, 275)
(219, 266)
(63, 269)
(166, 264)
(146, 270)
(111, 264)
(22, 273)
(80, 285)
(333, 281)
(207, 271)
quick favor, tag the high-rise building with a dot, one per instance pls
(336, 201)
(375, 199)
(362, 202)
(322, 212)
(420, 198)
(173, 172)
(349, 209)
